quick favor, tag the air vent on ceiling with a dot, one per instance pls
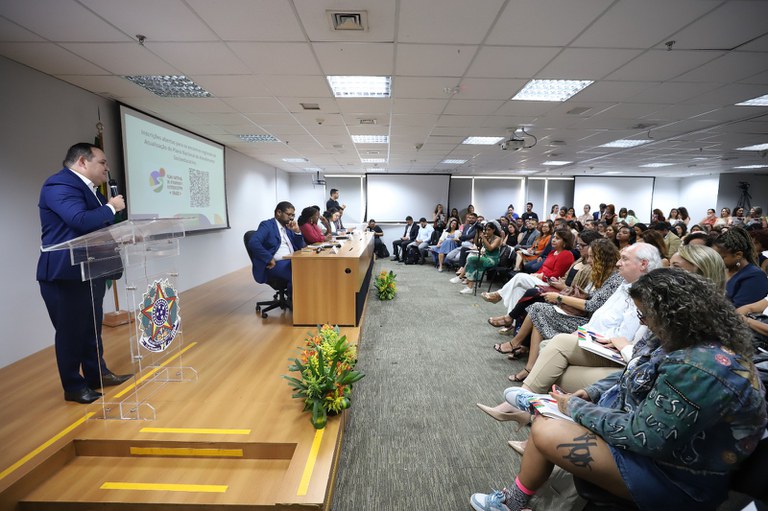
(368, 121)
(579, 110)
(310, 106)
(557, 143)
(348, 20)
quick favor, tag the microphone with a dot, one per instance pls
(113, 192)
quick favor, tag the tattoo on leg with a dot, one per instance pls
(579, 453)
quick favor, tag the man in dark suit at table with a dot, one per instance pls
(275, 239)
(70, 206)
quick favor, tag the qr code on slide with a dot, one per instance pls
(199, 186)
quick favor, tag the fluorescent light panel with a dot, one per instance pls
(656, 165)
(370, 139)
(454, 162)
(556, 163)
(170, 86)
(551, 90)
(482, 140)
(313, 169)
(752, 167)
(373, 160)
(295, 160)
(624, 143)
(257, 138)
(761, 101)
(756, 147)
(360, 86)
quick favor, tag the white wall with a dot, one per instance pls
(666, 195)
(699, 194)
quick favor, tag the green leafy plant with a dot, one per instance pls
(326, 370)
(385, 285)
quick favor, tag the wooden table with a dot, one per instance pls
(331, 287)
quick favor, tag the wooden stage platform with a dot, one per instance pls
(234, 439)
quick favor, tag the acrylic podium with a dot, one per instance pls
(145, 252)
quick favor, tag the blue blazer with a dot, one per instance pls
(68, 209)
(264, 245)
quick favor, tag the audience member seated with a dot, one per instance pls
(755, 315)
(447, 243)
(724, 220)
(308, 226)
(408, 237)
(587, 216)
(696, 238)
(274, 239)
(654, 237)
(577, 277)
(746, 282)
(439, 214)
(379, 248)
(625, 236)
(671, 241)
(700, 363)
(610, 233)
(631, 218)
(531, 253)
(545, 321)
(760, 240)
(609, 215)
(467, 241)
(421, 242)
(657, 216)
(511, 235)
(737, 220)
(490, 237)
(332, 221)
(555, 266)
(680, 229)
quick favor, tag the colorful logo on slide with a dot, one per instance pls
(156, 180)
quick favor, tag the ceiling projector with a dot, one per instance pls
(514, 144)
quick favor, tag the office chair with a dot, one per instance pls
(280, 299)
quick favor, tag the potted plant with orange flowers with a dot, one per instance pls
(385, 285)
(326, 368)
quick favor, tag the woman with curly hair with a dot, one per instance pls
(545, 321)
(746, 282)
(654, 237)
(667, 432)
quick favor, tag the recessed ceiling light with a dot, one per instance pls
(313, 169)
(761, 101)
(454, 162)
(375, 169)
(482, 140)
(752, 167)
(551, 90)
(360, 86)
(611, 173)
(624, 143)
(370, 139)
(756, 147)
(257, 138)
(656, 165)
(556, 163)
(373, 160)
(295, 160)
(170, 86)
(525, 171)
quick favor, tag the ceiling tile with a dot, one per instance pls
(490, 88)
(421, 88)
(454, 22)
(250, 20)
(731, 24)
(109, 86)
(586, 64)
(199, 58)
(276, 58)
(381, 20)
(661, 65)
(510, 62)
(472, 107)
(255, 105)
(228, 86)
(522, 22)
(297, 86)
(730, 67)
(418, 106)
(375, 59)
(10, 31)
(49, 58)
(433, 59)
(122, 58)
(364, 105)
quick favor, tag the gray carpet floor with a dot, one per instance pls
(415, 439)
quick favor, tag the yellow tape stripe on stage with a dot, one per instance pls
(44, 446)
(197, 431)
(192, 488)
(153, 371)
(186, 451)
(310, 466)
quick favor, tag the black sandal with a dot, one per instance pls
(514, 377)
(497, 347)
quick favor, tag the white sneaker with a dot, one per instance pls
(455, 280)
(492, 502)
(467, 291)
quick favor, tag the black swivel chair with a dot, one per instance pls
(281, 299)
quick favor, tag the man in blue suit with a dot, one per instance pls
(70, 206)
(274, 239)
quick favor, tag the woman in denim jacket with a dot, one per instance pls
(668, 431)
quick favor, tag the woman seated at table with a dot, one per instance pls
(667, 432)
(308, 225)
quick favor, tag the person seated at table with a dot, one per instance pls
(488, 257)
(746, 282)
(275, 239)
(331, 220)
(308, 220)
(667, 432)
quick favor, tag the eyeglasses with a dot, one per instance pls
(641, 316)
